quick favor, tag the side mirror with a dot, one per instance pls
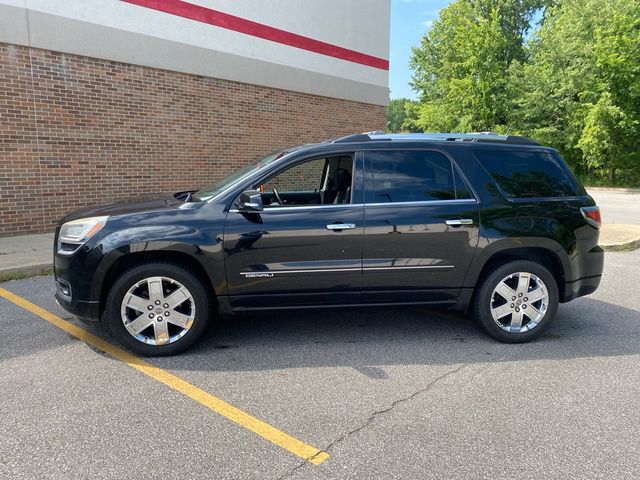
(250, 200)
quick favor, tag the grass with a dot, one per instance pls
(628, 181)
(7, 276)
(626, 247)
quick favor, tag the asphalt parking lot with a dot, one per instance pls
(400, 393)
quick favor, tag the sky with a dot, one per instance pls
(410, 20)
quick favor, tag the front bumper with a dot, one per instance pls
(84, 309)
(74, 276)
(88, 311)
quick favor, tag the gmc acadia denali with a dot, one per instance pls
(497, 226)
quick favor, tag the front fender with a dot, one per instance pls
(205, 249)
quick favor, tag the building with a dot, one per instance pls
(104, 99)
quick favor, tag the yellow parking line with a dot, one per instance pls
(266, 431)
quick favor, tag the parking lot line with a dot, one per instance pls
(266, 431)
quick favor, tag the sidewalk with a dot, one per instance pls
(33, 254)
(615, 237)
(26, 255)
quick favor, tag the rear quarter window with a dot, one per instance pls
(525, 174)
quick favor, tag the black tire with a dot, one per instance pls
(112, 317)
(485, 298)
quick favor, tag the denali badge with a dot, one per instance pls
(256, 275)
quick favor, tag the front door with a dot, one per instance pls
(421, 227)
(305, 246)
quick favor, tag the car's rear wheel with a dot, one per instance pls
(517, 301)
(157, 309)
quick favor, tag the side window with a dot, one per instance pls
(527, 174)
(304, 177)
(412, 176)
(321, 181)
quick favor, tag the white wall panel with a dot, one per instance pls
(100, 28)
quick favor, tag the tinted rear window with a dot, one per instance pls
(529, 174)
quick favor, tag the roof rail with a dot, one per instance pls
(357, 137)
(438, 137)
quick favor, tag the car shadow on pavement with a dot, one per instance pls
(370, 339)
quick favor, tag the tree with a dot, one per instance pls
(461, 68)
(602, 135)
(580, 90)
(396, 115)
(401, 116)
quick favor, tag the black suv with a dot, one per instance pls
(494, 225)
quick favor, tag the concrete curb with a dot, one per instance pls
(614, 189)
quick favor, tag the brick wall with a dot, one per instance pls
(76, 131)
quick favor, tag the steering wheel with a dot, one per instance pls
(277, 195)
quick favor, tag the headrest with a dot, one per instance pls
(342, 178)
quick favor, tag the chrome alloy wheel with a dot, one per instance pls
(519, 302)
(158, 310)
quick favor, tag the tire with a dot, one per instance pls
(502, 294)
(171, 327)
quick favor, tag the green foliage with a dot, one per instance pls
(461, 66)
(400, 116)
(574, 83)
(8, 276)
(602, 134)
(396, 115)
(580, 89)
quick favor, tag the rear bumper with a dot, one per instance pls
(581, 287)
(587, 265)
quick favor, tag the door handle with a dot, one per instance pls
(456, 222)
(341, 226)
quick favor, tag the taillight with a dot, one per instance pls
(592, 216)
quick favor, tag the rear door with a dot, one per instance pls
(421, 227)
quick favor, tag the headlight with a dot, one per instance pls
(75, 233)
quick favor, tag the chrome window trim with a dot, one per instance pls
(461, 201)
(428, 202)
(301, 208)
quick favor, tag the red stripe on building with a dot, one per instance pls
(255, 29)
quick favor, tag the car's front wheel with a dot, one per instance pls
(157, 309)
(517, 301)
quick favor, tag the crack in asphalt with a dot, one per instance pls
(371, 418)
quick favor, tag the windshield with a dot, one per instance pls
(221, 185)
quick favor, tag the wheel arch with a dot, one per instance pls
(130, 260)
(544, 256)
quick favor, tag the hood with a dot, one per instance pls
(147, 203)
